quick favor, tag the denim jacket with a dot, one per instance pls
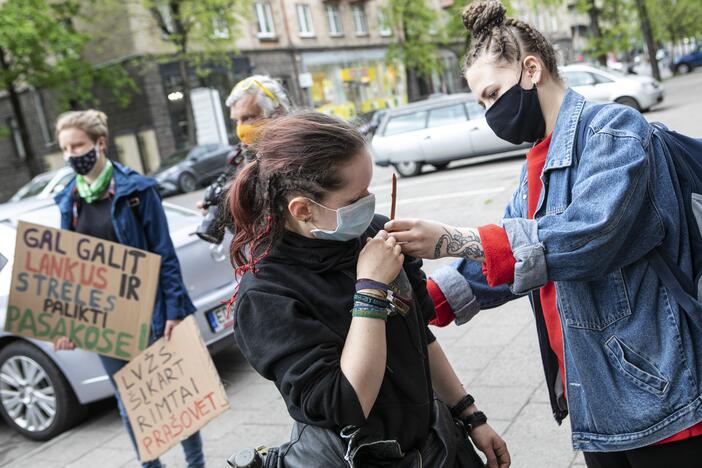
(633, 367)
(149, 232)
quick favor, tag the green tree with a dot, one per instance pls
(201, 31)
(674, 20)
(414, 24)
(610, 28)
(39, 47)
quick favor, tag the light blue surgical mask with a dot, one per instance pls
(351, 221)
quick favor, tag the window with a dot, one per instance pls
(578, 78)
(334, 20)
(304, 20)
(264, 19)
(406, 123)
(16, 137)
(383, 24)
(220, 29)
(446, 116)
(601, 78)
(475, 110)
(359, 19)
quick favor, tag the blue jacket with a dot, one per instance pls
(633, 368)
(149, 232)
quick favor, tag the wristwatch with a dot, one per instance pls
(473, 420)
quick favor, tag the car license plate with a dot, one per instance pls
(217, 318)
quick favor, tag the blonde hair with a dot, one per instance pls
(92, 122)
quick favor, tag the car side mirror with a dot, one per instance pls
(58, 188)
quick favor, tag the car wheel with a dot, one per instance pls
(408, 168)
(187, 183)
(35, 398)
(440, 166)
(684, 68)
(629, 101)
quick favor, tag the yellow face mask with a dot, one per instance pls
(248, 133)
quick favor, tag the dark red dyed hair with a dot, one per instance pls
(296, 155)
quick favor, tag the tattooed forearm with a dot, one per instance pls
(459, 244)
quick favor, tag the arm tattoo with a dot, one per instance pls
(461, 245)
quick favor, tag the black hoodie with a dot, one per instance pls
(291, 322)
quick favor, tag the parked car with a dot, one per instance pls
(42, 392)
(185, 171)
(688, 62)
(44, 185)
(436, 131)
(369, 123)
(603, 85)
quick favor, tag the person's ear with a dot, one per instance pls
(534, 70)
(300, 209)
(101, 145)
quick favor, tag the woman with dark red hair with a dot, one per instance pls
(332, 312)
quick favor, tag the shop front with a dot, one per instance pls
(349, 83)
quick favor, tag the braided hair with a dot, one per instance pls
(509, 39)
(300, 155)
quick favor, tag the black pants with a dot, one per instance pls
(683, 454)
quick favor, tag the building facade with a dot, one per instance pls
(330, 56)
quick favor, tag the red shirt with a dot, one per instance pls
(499, 269)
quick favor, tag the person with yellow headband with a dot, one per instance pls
(253, 103)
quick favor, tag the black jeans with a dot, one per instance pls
(683, 454)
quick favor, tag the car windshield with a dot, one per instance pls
(33, 187)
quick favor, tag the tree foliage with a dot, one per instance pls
(414, 24)
(201, 32)
(40, 47)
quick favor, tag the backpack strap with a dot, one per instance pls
(134, 201)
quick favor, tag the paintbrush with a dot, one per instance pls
(394, 197)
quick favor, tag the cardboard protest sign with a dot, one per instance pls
(98, 293)
(171, 390)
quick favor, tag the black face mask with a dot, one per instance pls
(84, 163)
(516, 115)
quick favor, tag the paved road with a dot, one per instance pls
(496, 355)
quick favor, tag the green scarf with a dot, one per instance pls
(92, 192)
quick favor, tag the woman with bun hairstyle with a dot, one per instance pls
(113, 202)
(595, 197)
(332, 312)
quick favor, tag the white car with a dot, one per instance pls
(45, 185)
(604, 85)
(436, 131)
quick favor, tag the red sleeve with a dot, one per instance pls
(444, 314)
(499, 261)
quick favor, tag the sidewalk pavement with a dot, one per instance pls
(496, 356)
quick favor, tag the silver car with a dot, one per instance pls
(44, 185)
(436, 131)
(42, 392)
(598, 84)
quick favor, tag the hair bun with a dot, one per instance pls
(480, 17)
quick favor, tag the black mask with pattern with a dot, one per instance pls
(84, 163)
